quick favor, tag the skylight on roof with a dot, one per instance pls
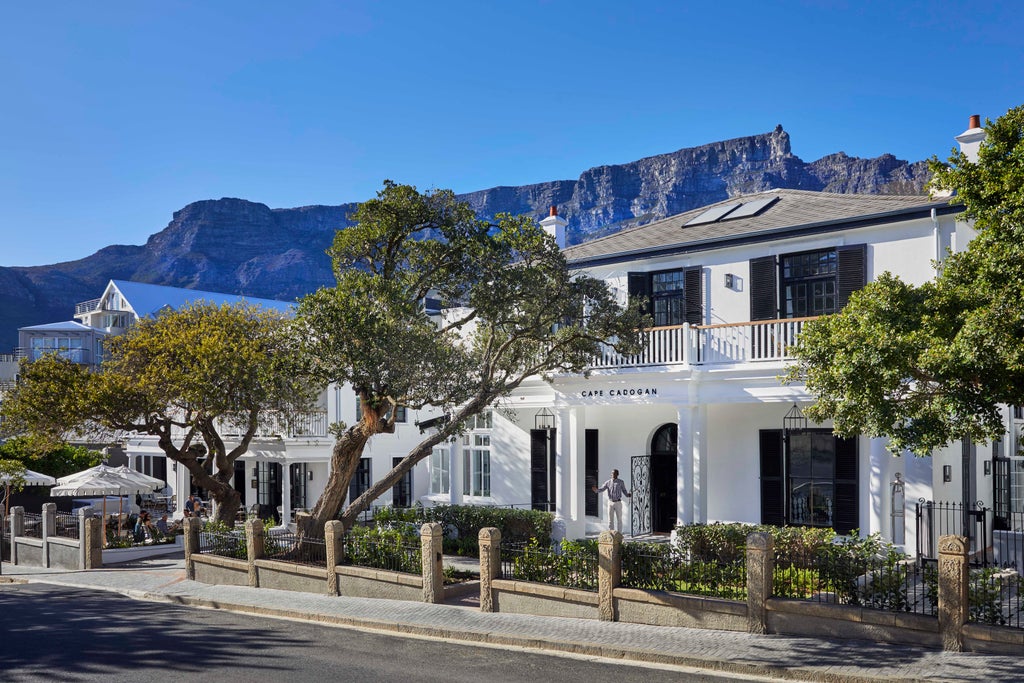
(730, 211)
(715, 213)
(753, 208)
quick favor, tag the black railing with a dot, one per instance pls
(67, 525)
(223, 543)
(935, 519)
(288, 547)
(1008, 542)
(570, 565)
(658, 566)
(33, 525)
(891, 583)
(994, 597)
(391, 552)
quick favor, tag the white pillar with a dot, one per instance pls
(879, 507)
(569, 478)
(699, 425)
(286, 492)
(685, 500)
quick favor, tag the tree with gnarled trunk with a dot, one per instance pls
(182, 377)
(512, 311)
(928, 365)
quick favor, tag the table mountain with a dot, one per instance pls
(244, 247)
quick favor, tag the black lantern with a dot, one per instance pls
(795, 420)
(544, 419)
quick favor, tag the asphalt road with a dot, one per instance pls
(55, 633)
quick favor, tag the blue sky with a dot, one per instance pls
(116, 114)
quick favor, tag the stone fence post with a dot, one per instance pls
(84, 514)
(760, 567)
(431, 554)
(49, 520)
(953, 591)
(17, 529)
(92, 541)
(334, 542)
(609, 572)
(254, 548)
(490, 566)
(192, 527)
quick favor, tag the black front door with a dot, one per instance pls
(664, 484)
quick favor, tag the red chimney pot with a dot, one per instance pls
(554, 210)
(975, 121)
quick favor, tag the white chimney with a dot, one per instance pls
(554, 225)
(970, 139)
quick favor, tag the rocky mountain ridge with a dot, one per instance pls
(244, 247)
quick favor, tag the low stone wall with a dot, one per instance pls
(660, 608)
(289, 576)
(541, 599)
(998, 640)
(220, 571)
(51, 550)
(801, 618)
(258, 572)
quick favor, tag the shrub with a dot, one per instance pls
(462, 524)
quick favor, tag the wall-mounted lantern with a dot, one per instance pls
(947, 473)
(544, 419)
(795, 420)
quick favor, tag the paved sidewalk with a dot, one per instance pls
(793, 658)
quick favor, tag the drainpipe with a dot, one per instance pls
(937, 237)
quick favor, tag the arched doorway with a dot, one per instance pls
(664, 484)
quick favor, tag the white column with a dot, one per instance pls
(286, 492)
(699, 446)
(569, 478)
(685, 500)
(879, 507)
(454, 481)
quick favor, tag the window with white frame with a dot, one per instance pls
(440, 470)
(476, 455)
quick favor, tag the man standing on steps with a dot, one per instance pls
(616, 488)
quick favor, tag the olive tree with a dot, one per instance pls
(512, 310)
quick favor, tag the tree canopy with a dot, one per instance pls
(928, 365)
(186, 377)
(512, 310)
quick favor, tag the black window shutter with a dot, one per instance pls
(846, 506)
(640, 288)
(773, 502)
(590, 472)
(692, 278)
(764, 298)
(853, 264)
(539, 469)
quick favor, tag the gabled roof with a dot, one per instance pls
(67, 326)
(795, 212)
(146, 299)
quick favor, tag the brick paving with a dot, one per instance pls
(787, 657)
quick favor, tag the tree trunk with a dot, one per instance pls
(345, 456)
(221, 491)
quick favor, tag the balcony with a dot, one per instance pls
(77, 354)
(90, 306)
(704, 345)
(311, 424)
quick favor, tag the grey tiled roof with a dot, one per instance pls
(795, 210)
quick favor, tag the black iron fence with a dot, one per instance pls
(380, 549)
(889, 582)
(994, 596)
(571, 564)
(223, 543)
(67, 525)
(659, 566)
(936, 518)
(33, 525)
(289, 547)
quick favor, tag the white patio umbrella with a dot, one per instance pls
(28, 478)
(99, 481)
(152, 482)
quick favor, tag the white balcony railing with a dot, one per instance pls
(87, 306)
(296, 426)
(728, 343)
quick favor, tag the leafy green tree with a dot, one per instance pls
(928, 365)
(12, 477)
(58, 462)
(186, 377)
(513, 311)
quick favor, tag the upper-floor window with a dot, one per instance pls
(805, 284)
(476, 455)
(400, 417)
(671, 297)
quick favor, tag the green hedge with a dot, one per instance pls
(462, 524)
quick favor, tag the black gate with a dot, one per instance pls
(640, 519)
(936, 519)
